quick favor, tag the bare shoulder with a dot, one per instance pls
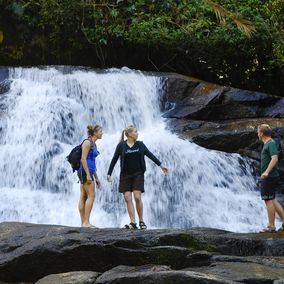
(86, 143)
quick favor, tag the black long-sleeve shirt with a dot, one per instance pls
(120, 152)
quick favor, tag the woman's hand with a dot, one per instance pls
(89, 179)
(108, 178)
(165, 169)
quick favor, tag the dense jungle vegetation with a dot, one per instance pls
(234, 42)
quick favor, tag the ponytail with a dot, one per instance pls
(122, 134)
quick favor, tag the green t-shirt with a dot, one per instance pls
(269, 149)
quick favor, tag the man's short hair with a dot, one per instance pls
(265, 129)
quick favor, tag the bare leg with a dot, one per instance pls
(130, 208)
(279, 209)
(82, 201)
(90, 191)
(139, 204)
(270, 212)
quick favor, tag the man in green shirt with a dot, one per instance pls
(269, 177)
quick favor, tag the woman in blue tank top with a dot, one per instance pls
(88, 175)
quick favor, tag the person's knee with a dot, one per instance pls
(83, 196)
(137, 198)
(128, 198)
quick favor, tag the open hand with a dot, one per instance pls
(165, 169)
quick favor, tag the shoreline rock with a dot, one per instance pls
(30, 252)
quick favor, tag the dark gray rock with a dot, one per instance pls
(243, 272)
(29, 252)
(4, 73)
(194, 99)
(157, 275)
(59, 249)
(5, 86)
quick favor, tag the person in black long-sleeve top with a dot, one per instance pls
(132, 166)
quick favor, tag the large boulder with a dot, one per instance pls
(30, 252)
(187, 98)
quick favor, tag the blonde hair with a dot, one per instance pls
(93, 128)
(126, 131)
(265, 129)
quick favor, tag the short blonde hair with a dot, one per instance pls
(265, 129)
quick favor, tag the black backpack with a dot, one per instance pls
(74, 158)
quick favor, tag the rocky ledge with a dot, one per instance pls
(222, 118)
(58, 254)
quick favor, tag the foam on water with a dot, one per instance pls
(47, 113)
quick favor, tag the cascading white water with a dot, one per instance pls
(47, 113)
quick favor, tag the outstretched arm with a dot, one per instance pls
(151, 156)
(114, 159)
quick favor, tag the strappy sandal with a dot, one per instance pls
(142, 225)
(269, 229)
(131, 226)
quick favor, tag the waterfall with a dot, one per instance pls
(46, 114)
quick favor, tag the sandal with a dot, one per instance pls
(131, 226)
(269, 229)
(142, 225)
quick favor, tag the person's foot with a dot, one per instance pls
(268, 229)
(142, 225)
(88, 226)
(131, 226)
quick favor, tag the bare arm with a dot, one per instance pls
(272, 164)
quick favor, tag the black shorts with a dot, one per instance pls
(268, 187)
(130, 182)
(83, 176)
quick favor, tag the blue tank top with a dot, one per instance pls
(91, 159)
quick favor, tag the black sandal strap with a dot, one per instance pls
(131, 226)
(142, 225)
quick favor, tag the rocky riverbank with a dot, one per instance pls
(57, 254)
(222, 118)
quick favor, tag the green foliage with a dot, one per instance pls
(62, 30)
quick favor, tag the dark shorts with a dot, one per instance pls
(83, 176)
(130, 182)
(268, 188)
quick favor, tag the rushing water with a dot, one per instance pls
(46, 113)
